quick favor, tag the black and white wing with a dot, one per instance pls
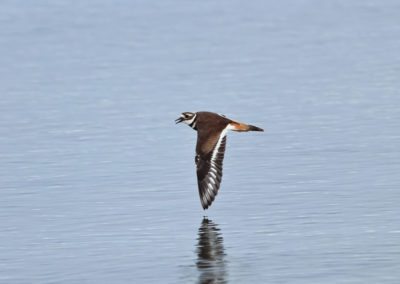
(209, 171)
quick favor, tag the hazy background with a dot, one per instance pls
(98, 185)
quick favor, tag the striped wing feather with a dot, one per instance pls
(209, 171)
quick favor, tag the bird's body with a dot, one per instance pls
(210, 149)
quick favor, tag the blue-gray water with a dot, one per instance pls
(98, 184)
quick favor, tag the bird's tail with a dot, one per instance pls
(242, 127)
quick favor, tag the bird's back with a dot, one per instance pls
(209, 127)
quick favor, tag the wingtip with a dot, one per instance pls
(205, 204)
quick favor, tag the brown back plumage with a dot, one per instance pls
(209, 127)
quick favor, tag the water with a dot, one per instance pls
(98, 184)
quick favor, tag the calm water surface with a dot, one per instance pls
(98, 184)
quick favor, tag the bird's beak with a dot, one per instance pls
(178, 120)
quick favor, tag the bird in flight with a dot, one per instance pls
(210, 149)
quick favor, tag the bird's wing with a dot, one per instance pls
(209, 170)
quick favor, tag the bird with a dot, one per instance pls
(210, 148)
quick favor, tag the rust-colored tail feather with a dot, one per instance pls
(242, 127)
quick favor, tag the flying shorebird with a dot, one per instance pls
(210, 149)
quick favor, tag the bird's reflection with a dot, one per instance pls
(210, 254)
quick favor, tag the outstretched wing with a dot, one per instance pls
(209, 171)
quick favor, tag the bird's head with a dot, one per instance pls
(186, 117)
